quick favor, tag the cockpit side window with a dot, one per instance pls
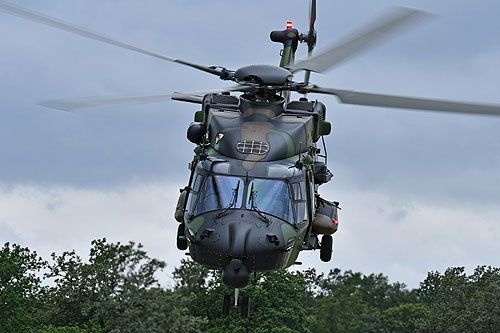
(298, 191)
(299, 200)
(198, 180)
(194, 191)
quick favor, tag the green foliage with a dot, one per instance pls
(192, 281)
(278, 300)
(117, 290)
(460, 303)
(64, 329)
(21, 293)
(403, 318)
(353, 302)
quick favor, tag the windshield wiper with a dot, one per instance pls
(251, 201)
(231, 204)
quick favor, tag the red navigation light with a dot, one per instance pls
(289, 25)
(335, 222)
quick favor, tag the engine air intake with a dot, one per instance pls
(252, 147)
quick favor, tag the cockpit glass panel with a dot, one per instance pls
(272, 197)
(197, 182)
(218, 192)
(298, 191)
(299, 197)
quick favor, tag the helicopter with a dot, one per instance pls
(252, 201)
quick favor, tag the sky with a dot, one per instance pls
(419, 191)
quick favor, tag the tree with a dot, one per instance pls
(403, 318)
(193, 282)
(115, 291)
(353, 302)
(21, 293)
(279, 300)
(460, 303)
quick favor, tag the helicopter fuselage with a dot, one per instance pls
(252, 195)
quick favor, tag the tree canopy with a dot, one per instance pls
(118, 290)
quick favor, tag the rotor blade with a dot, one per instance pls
(36, 17)
(75, 104)
(196, 97)
(351, 46)
(184, 97)
(403, 102)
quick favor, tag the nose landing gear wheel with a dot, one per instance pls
(326, 248)
(245, 307)
(226, 305)
(182, 243)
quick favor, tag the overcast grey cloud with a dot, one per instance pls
(420, 190)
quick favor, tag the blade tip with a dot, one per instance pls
(55, 106)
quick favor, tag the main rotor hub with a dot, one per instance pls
(264, 75)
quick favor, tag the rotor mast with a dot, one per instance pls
(290, 40)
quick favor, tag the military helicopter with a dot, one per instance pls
(252, 202)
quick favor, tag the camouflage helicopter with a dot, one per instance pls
(252, 203)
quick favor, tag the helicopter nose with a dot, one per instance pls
(242, 235)
(239, 233)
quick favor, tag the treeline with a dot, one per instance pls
(117, 290)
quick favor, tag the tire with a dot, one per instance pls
(326, 248)
(226, 305)
(182, 243)
(245, 307)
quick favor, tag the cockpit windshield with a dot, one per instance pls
(219, 192)
(265, 196)
(272, 197)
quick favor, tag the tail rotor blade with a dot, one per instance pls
(312, 14)
(311, 36)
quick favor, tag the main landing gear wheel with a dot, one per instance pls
(245, 307)
(226, 305)
(326, 248)
(182, 243)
